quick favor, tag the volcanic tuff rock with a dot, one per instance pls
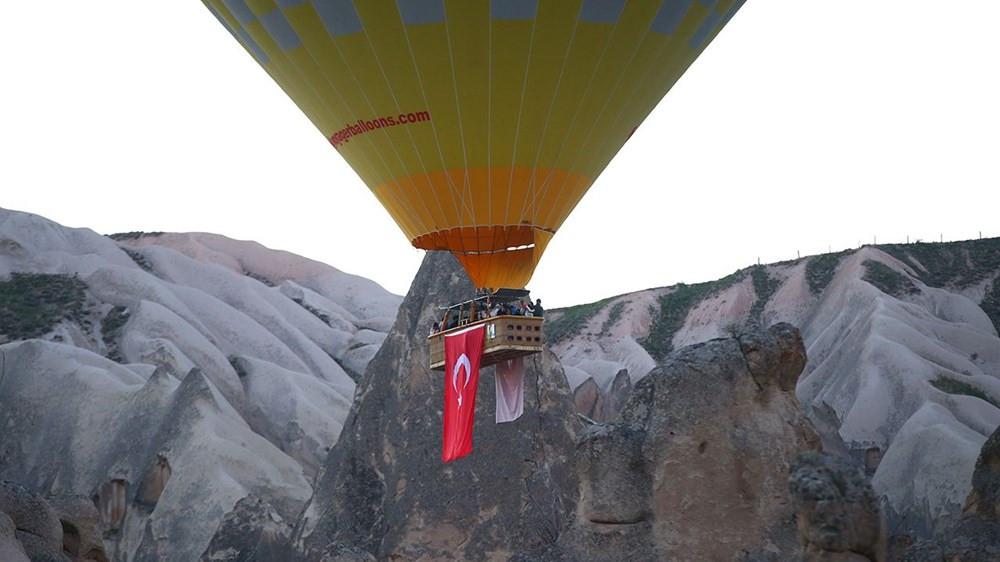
(118, 443)
(697, 465)
(384, 487)
(976, 535)
(41, 529)
(81, 527)
(838, 514)
(195, 371)
(904, 358)
(984, 500)
(38, 528)
(11, 548)
(251, 531)
(603, 404)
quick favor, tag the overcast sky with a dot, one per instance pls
(806, 126)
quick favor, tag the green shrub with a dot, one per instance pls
(139, 259)
(315, 311)
(238, 366)
(952, 386)
(614, 315)
(959, 264)
(260, 278)
(674, 308)
(821, 269)
(134, 235)
(561, 323)
(111, 328)
(991, 303)
(765, 288)
(32, 304)
(888, 280)
(732, 329)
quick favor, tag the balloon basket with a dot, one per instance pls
(506, 337)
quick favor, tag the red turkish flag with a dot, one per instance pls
(462, 352)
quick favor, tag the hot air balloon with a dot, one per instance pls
(478, 124)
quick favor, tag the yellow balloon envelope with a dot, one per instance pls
(478, 124)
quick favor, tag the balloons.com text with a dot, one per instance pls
(365, 126)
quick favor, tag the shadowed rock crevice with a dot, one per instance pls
(156, 480)
(603, 404)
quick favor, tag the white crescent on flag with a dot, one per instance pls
(463, 361)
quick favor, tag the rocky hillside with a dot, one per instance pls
(696, 467)
(168, 376)
(903, 364)
(384, 487)
(188, 396)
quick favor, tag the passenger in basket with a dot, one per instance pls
(538, 310)
(522, 308)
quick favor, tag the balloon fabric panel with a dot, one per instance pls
(478, 125)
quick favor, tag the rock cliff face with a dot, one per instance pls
(697, 465)
(384, 487)
(904, 358)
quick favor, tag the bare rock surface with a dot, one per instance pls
(984, 500)
(113, 445)
(198, 370)
(360, 297)
(253, 530)
(81, 524)
(904, 359)
(589, 401)
(837, 511)
(384, 488)
(697, 465)
(11, 549)
(975, 537)
(36, 523)
(339, 551)
(56, 528)
(617, 394)
(603, 404)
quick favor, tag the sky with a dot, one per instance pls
(805, 127)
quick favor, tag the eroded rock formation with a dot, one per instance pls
(57, 528)
(838, 515)
(166, 377)
(603, 404)
(907, 379)
(976, 536)
(253, 530)
(697, 465)
(384, 488)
